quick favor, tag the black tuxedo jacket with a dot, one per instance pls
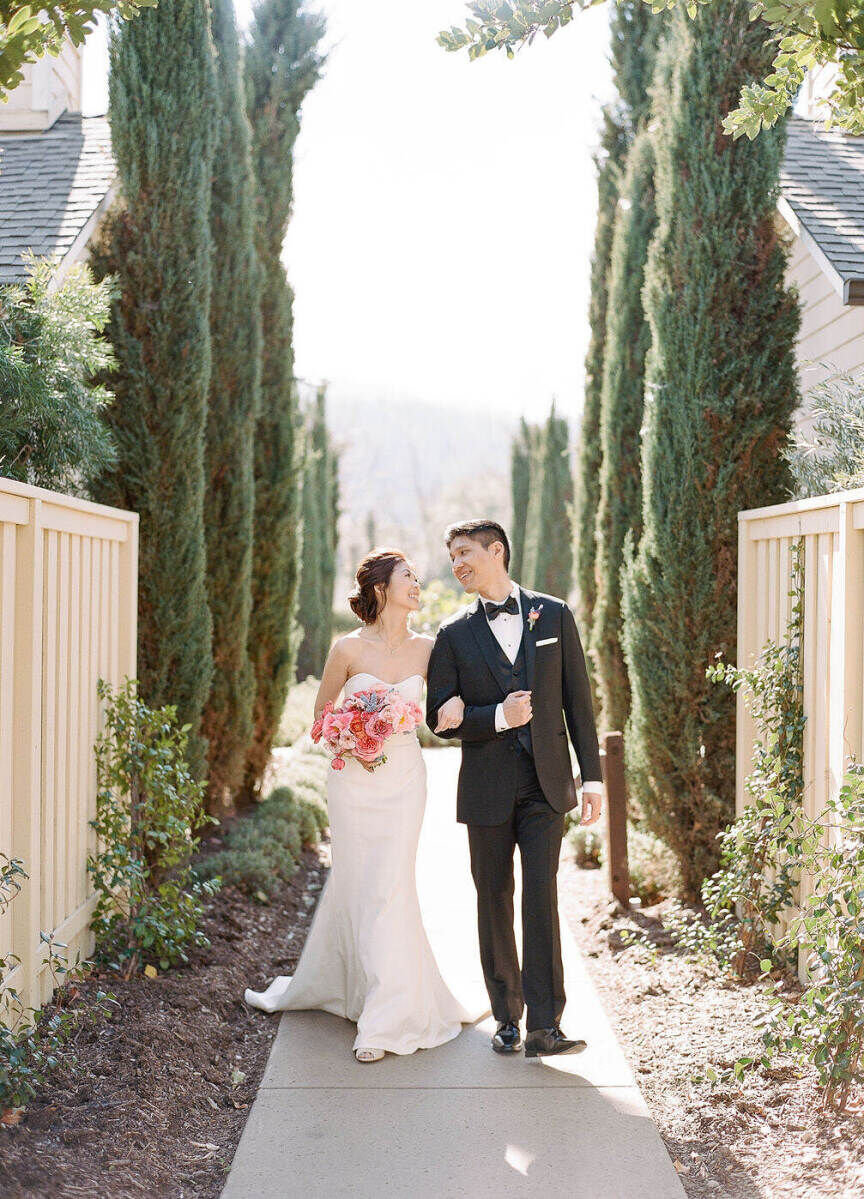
(466, 661)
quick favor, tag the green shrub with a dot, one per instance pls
(306, 772)
(761, 850)
(826, 1025)
(300, 805)
(588, 844)
(826, 452)
(299, 712)
(147, 805)
(31, 1038)
(260, 870)
(263, 846)
(52, 431)
(653, 866)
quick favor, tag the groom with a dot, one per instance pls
(515, 658)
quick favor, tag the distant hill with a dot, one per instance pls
(413, 468)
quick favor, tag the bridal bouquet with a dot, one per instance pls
(360, 727)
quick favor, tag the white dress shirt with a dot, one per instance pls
(508, 629)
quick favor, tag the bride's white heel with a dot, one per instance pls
(368, 1055)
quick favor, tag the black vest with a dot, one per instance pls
(515, 678)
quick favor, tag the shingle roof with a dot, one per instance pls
(50, 185)
(822, 180)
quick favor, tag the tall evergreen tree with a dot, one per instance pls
(633, 33)
(162, 98)
(549, 536)
(636, 35)
(613, 148)
(721, 393)
(310, 617)
(282, 63)
(320, 514)
(235, 333)
(628, 337)
(520, 488)
(329, 580)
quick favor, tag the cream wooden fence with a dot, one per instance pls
(832, 528)
(68, 601)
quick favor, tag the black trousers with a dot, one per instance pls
(537, 829)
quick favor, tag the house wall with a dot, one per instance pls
(50, 87)
(831, 340)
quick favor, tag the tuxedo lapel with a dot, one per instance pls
(486, 643)
(528, 639)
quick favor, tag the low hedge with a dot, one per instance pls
(262, 849)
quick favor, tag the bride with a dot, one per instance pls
(367, 956)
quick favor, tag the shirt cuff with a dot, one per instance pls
(592, 788)
(500, 719)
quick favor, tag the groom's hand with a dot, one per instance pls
(592, 805)
(517, 708)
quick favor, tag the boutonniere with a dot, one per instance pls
(533, 617)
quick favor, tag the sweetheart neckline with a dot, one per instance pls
(370, 675)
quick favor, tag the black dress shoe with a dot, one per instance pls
(545, 1042)
(507, 1038)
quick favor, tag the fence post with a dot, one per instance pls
(846, 650)
(27, 750)
(746, 648)
(617, 868)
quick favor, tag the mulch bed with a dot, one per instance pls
(161, 1090)
(766, 1138)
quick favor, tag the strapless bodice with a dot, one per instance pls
(411, 687)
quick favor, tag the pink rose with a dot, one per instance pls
(367, 748)
(377, 726)
(338, 764)
(317, 729)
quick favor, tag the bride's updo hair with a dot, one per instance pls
(374, 571)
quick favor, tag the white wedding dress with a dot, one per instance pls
(367, 956)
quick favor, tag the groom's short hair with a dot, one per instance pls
(484, 531)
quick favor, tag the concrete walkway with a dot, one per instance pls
(456, 1122)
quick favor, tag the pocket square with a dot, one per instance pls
(547, 641)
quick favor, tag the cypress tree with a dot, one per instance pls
(628, 337)
(613, 148)
(549, 541)
(310, 616)
(531, 543)
(719, 402)
(320, 512)
(634, 32)
(520, 487)
(235, 333)
(329, 573)
(281, 65)
(162, 99)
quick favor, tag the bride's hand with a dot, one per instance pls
(450, 714)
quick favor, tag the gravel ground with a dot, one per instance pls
(157, 1100)
(766, 1138)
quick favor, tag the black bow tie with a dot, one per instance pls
(511, 605)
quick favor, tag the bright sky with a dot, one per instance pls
(444, 211)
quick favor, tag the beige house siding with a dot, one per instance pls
(831, 340)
